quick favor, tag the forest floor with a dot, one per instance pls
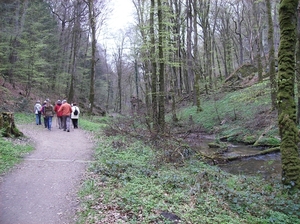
(43, 188)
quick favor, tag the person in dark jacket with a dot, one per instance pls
(48, 114)
(43, 113)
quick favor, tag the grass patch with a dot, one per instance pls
(11, 153)
(239, 114)
(93, 124)
(12, 149)
(24, 118)
(127, 184)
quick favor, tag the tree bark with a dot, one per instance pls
(161, 99)
(286, 103)
(271, 55)
(196, 56)
(189, 60)
(154, 68)
(7, 124)
(92, 19)
(298, 66)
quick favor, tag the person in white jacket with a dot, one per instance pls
(37, 111)
(75, 115)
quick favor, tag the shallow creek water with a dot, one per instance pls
(267, 166)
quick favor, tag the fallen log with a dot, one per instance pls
(264, 152)
(218, 158)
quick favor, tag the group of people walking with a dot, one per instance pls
(64, 113)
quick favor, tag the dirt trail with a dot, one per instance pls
(43, 188)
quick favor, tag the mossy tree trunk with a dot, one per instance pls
(7, 125)
(286, 103)
(298, 66)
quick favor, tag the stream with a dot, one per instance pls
(267, 166)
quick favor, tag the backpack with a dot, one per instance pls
(38, 109)
(76, 111)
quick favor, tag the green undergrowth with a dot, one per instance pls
(243, 115)
(11, 151)
(24, 118)
(128, 183)
(93, 124)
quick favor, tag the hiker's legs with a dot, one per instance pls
(64, 121)
(75, 123)
(49, 123)
(46, 122)
(68, 123)
(59, 119)
(37, 119)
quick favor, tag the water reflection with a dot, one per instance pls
(266, 166)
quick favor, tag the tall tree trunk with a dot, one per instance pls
(119, 74)
(178, 85)
(154, 68)
(238, 31)
(272, 72)
(298, 66)
(93, 60)
(20, 14)
(189, 24)
(286, 103)
(136, 72)
(73, 65)
(161, 99)
(259, 62)
(144, 54)
(226, 44)
(197, 74)
(257, 16)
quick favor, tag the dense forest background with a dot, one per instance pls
(175, 49)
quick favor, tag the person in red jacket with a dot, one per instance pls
(58, 114)
(66, 111)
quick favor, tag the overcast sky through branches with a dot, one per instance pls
(120, 19)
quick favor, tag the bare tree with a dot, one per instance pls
(142, 50)
(154, 67)
(161, 58)
(118, 58)
(97, 11)
(271, 55)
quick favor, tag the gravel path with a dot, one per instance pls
(43, 188)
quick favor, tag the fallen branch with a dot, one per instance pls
(217, 158)
(264, 152)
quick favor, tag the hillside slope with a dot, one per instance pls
(244, 115)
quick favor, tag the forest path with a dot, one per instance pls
(43, 188)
